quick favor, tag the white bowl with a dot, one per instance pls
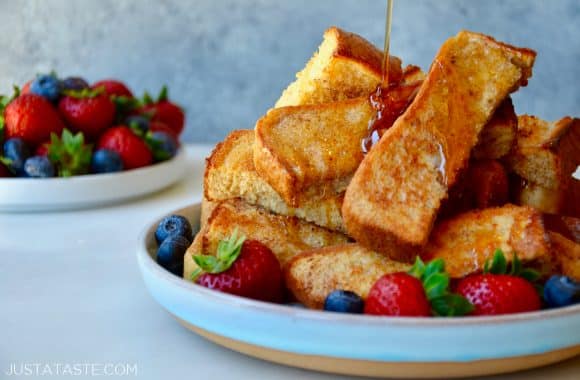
(49, 194)
(361, 344)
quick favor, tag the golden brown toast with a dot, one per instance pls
(311, 151)
(499, 134)
(313, 274)
(567, 254)
(345, 66)
(393, 199)
(230, 173)
(285, 236)
(467, 240)
(545, 157)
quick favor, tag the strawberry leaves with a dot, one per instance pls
(69, 153)
(499, 265)
(228, 251)
(436, 285)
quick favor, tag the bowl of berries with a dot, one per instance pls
(65, 143)
(412, 322)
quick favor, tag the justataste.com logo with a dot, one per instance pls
(71, 369)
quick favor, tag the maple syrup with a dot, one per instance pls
(391, 98)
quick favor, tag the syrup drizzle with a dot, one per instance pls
(386, 60)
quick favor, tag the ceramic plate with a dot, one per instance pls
(26, 195)
(359, 344)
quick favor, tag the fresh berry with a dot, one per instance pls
(74, 83)
(423, 291)
(498, 291)
(561, 291)
(170, 254)
(398, 294)
(69, 153)
(87, 111)
(138, 124)
(38, 167)
(32, 118)
(106, 161)
(15, 153)
(162, 145)
(173, 225)
(113, 87)
(133, 150)
(46, 85)
(344, 301)
(244, 268)
(164, 111)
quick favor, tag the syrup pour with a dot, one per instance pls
(391, 98)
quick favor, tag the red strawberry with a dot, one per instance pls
(164, 111)
(398, 294)
(498, 292)
(113, 87)
(133, 150)
(244, 268)
(89, 112)
(32, 118)
(493, 294)
(420, 292)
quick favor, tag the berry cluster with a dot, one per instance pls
(65, 127)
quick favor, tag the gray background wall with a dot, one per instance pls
(227, 61)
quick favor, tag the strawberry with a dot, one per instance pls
(31, 118)
(498, 292)
(398, 294)
(87, 111)
(133, 150)
(113, 87)
(162, 110)
(420, 292)
(242, 267)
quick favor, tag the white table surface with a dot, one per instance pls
(71, 292)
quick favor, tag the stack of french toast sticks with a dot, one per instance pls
(457, 175)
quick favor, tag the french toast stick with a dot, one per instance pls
(393, 199)
(313, 274)
(567, 253)
(467, 240)
(230, 173)
(285, 236)
(499, 134)
(545, 157)
(345, 66)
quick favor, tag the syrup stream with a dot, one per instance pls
(385, 77)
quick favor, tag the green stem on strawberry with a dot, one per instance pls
(436, 285)
(498, 265)
(69, 153)
(228, 251)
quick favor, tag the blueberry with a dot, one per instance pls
(47, 86)
(74, 83)
(561, 291)
(164, 146)
(138, 123)
(344, 301)
(170, 254)
(16, 152)
(38, 167)
(106, 161)
(173, 225)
